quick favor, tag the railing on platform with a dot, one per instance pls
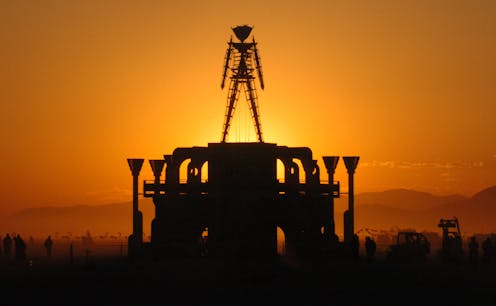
(151, 189)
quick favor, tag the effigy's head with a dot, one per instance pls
(242, 32)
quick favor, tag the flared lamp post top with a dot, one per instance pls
(157, 166)
(351, 162)
(135, 165)
(330, 163)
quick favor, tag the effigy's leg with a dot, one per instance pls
(232, 98)
(252, 98)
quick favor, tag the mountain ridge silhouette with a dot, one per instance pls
(404, 208)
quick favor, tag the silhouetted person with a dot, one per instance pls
(458, 247)
(473, 247)
(487, 249)
(71, 254)
(408, 240)
(7, 245)
(20, 248)
(355, 247)
(334, 238)
(370, 248)
(48, 246)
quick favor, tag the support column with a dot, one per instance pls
(157, 166)
(330, 163)
(135, 240)
(351, 163)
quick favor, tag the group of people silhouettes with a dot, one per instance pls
(487, 246)
(19, 245)
(488, 252)
(370, 248)
(16, 244)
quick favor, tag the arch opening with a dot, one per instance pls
(280, 171)
(204, 172)
(281, 242)
(203, 242)
(301, 170)
(183, 171)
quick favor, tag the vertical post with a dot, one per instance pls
(136, 238)
(351, 163)
(330, 163)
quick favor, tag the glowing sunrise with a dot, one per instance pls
(409, 88)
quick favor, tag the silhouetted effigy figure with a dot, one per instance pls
(487, 249)
(242, 60)
(473, 250)
(20, 248)
(355, 247)
(370, 248)
(48, 246)
(7, 245)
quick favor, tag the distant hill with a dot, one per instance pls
(477, 213)
(377, 210)
(485, 195)
(108, 218)
(406, 199)
(422, 211)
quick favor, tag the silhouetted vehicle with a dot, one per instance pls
(488, 250)
(370, 248)
(451, 249)
(409, 247)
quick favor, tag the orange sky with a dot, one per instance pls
(407, 85)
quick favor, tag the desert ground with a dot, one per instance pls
(103, 275)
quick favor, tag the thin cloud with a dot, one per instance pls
(115, 194)
(423, 164)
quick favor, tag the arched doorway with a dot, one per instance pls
(281, 242)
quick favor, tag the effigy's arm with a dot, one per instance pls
(259, 65)
(226, 64)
